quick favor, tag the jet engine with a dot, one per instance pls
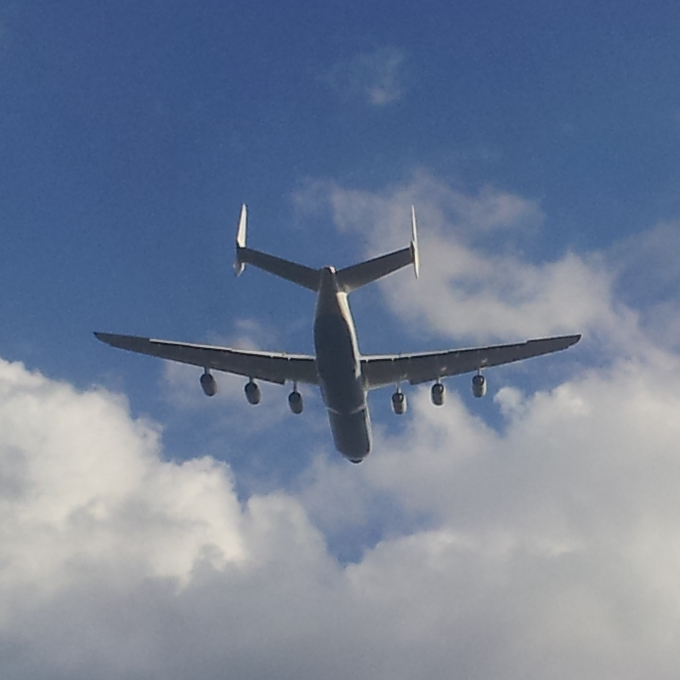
(208, 384)
(295, 402)
(437, 394)
(479, 385)
(253, 394)
(399, 402)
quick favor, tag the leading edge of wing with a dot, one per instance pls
(276, 367)
(382, 370)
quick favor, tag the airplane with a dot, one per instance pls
(342, 373)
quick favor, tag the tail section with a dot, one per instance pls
(297, 273)
(360, 274)
(349, 278)
(239, 264)
(414, 242)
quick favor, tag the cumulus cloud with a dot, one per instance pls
(375, 77)
(551, 548)
(105, 545)
(476, 283)
(647, 276)
(544, 546)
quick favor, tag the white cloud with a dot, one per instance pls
(476, 284)
(551, 548)
(547, 547)
(647, 274)
(375, 77)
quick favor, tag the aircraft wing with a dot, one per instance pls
(419, 368)
(276, 367)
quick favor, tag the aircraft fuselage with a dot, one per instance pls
(339, 368)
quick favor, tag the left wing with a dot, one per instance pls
(276, 367)
(419, 368)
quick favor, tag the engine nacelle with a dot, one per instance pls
(399, 402)
(479, 386)
(208, 384)
(437, 394)
(253, 394)
(295, 402)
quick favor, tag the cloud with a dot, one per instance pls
(551, 546)
(374, 77)
(647, 278)
(545, 545)
(477, 284)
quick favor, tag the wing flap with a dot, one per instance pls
(419, 368)
(276, 367)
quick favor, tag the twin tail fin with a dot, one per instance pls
(349, 278)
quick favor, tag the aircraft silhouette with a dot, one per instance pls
(343, 374)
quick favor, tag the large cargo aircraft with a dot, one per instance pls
(343, 374)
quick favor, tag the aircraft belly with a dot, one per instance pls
(339, 374)
(351, 433)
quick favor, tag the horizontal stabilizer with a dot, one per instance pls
(291, 271)
(351, 278)
(297, 273)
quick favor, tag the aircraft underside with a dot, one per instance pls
(343, 375)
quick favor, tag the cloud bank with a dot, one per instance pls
(548, 546)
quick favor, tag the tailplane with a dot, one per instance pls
(297, 273)
(349, 278)
(360, 274)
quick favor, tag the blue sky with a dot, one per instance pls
(540, 143)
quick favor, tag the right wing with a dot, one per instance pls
(418, 368)
(276, 367)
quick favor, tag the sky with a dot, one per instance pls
(149, 532)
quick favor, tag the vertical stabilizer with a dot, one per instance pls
(414, 242)
(239, 265)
